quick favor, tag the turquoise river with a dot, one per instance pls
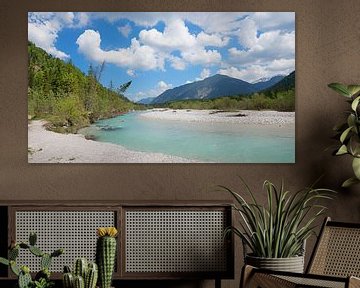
(204, 142)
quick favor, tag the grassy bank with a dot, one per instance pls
(278, 101)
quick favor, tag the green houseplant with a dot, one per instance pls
(42, 278)
(275, 233)
(349, 131)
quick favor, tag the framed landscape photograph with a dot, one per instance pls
(161, 87)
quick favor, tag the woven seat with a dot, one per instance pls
(335, 262)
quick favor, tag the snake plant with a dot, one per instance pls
(279, 228)
(349, 131)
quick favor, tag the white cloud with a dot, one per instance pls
(282, 65)
(43, 28)
(125, 30)
(160, 87)
(254, 72)
(275, 20)
(82, 18)
(176, 37)
(247, 33)
(136, 56)
(215, 40)
(202, 57)
(250, 74)
(177, 63)
(163, 86)
(205, 73)
(267, 47)
(214, 22)
(131, 72)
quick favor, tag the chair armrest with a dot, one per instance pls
(354, 282)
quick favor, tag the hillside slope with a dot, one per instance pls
(60, 93)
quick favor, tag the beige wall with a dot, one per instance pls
(327, 50)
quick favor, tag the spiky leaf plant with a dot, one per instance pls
(279, 229)
(348, 132)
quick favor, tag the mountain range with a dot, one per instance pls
(214, 87)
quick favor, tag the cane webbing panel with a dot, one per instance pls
(338, 252)
(74, 231)
(175, 241)
(313, 282)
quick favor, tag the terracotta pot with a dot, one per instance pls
(291, 264)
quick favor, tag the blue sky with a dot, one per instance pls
(162, 50)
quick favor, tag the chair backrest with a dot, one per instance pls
(337, 251)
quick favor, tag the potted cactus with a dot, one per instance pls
(84, 275)
(106, 254)
(42, 278)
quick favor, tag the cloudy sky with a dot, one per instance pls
(161, 50)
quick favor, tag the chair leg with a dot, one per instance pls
(217, 283)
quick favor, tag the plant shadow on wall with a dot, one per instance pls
(348, 132)
(276, 233)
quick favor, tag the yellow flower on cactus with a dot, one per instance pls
(107, 231)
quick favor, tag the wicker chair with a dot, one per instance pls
(334, 263)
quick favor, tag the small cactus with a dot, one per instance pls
(32, 239)
(80, 268)
(23, 273)
(106, 254)
(14, 268)
(36, 251)
(67, 269)
(89, 272)
(91, 276)
(13, 253)
(57, 252)
(79, 282)
(44, 273)
(45, 261)
(4, 261)
(24, 277)
(68, 280)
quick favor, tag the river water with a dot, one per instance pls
(204, 142)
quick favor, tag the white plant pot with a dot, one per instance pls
(291, 264)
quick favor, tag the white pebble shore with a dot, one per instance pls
(250, 116)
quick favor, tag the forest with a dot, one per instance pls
(68, 99)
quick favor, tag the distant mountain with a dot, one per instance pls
(287, 83)
(146, 101)
(265, 83)
(214, 87)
